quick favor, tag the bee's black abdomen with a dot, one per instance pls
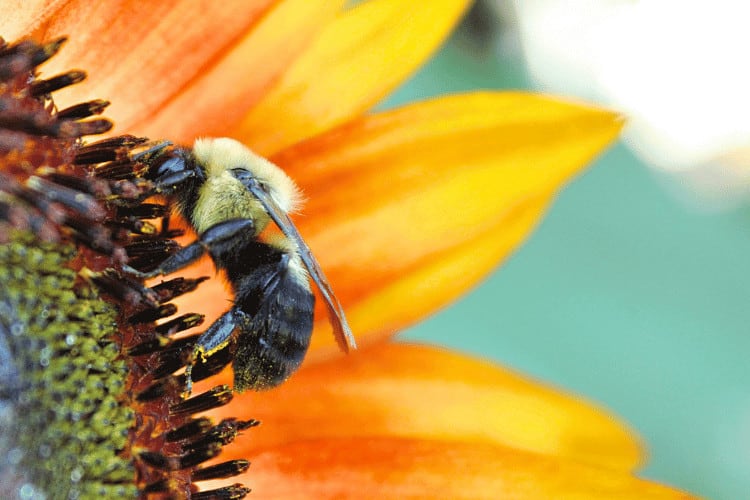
(271, 347)
(278, 317)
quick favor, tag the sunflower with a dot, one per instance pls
(406, 210)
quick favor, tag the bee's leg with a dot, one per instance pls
(210, 240)
(215, 338)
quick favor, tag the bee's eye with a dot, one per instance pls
(241, 173)
(247, 178)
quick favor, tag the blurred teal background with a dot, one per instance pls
(623, 295)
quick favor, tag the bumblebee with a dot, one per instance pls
(230, 195)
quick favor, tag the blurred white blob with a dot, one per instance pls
(678, 69)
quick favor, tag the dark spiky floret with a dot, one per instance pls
(90, 406)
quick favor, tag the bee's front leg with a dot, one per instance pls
(213, 238)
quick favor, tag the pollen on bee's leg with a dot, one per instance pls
(90, 356)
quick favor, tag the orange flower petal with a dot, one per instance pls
(380, 467)
(21, 17)
(357, 60)
(424, 392)
(138, 54)
(221, 95)
(409, 208)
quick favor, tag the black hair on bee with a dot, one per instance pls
(229, 195)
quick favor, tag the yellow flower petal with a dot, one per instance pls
(222, 94)
(409, 208)
(382, 467)
(381, 309)
(356, 61)
(395, 390)
(139, 54)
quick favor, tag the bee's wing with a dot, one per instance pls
(341, 330)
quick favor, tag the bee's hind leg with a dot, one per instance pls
(214, 339)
